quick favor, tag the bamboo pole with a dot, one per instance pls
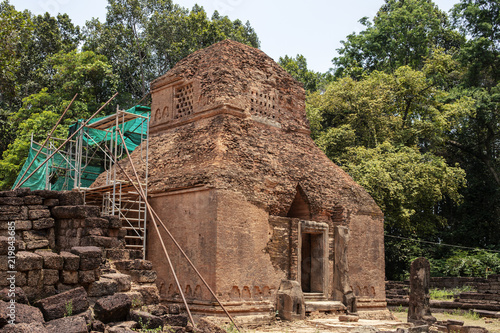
(143, 195)
(65, 141)
(48, 137)
(154, 215)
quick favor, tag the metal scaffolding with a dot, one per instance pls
(91, 153)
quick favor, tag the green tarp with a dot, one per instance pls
(62, 168)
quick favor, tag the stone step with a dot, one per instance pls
(314, 297)
(123, 254)
(324, 306)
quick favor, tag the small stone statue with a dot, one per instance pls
(419, 311)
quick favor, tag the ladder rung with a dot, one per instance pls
(134, 237)
(133, 246)
(132, 228)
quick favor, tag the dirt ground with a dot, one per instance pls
(321, 324)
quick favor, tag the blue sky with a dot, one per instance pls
(313, 28)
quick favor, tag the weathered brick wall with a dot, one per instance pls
(52, 241)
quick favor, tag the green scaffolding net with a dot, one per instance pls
(81, 164)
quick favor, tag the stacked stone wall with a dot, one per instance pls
(486, 294)
(65, 258)
(52, 241)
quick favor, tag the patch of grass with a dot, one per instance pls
(69, 308)
(448, 294)
(400, 308)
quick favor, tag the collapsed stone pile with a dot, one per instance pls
(71, 265)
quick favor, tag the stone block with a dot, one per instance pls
(141, 276)
(50, 276)
(348, 318)
(8, 193)
(23, 313)
(97, 326)
(20, 295)
(33, 200)
(89, 263)
(124, 281)
(46, 194)
(10, 209)
(149, 294)
(4, 263)
(114, 222)
(57, 306)
(44, 223)
(51, 202)
(4, 245)
(21, 279)
(75, 212)
(69, 277)
(11, 201)
(136, 264)
(157, 309)
(123, 254)
(102, 287)
(35, 278)
(69, 198)
(68, 324)
(38, 214)
(47, 291)
(96, 222)
(149, 320)
(175, 320)
(19, 225)
(21, 214)
(87, 251)
(93, 232)
(61, 287)
(35, 239)
(291, 304)
(25, 328)
(112, 308)
(102, 241)
(51, 260)
(27, 261)
(71, 261)
(86, 277)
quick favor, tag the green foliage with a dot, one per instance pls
(84, 72)
(479, 21)
(405, 183)
(479, 263)
(403, 33)
(145, 38)
(447, 294)
(297, 67)
(15, 29)
(69, 309)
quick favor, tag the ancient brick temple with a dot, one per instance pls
(253, 201)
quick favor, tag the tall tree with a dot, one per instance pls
(144, 38)
(297, 67)
(403, 33)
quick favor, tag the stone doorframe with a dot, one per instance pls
(321, 229)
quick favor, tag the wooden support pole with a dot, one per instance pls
(155, 216)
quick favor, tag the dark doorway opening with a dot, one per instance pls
(312, 263)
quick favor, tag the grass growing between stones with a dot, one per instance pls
(448, 294)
